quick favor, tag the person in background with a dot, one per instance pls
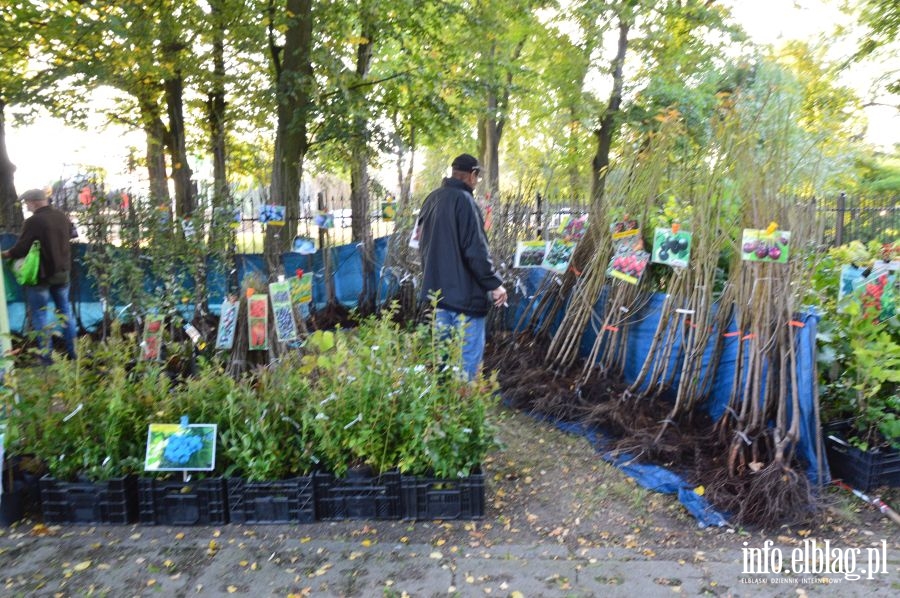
(456, 260)
(54, 230)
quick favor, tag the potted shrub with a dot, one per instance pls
(263, 443)
(182, 498)
(84, 420)
(394, 402)
(859, 357)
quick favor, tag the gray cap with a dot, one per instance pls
(34, 195)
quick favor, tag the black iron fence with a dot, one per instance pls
(846, 218)
(841, 218)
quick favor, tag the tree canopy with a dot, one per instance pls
(274, 91)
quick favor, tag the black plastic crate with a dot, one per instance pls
(12, 503)
(171, 502)
(436, 498)
(357, 497)
(111, 501)
(863, 470)
(283, 501)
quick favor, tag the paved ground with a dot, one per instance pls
(304, 561)
(558, 522)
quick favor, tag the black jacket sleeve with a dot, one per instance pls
(474, 243)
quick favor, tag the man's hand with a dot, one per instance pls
(499, 296)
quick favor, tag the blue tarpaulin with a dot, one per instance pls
(346, 263)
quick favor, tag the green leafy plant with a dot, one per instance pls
(262, 437)
(87, 418)
(858, 351)
(393, 397)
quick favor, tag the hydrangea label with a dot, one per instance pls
(178, 447)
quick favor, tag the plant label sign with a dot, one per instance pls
(388, 210)
(629, 260)
(765, 245)
(558, 255)
(530, 254)
(572, 228)
(671, 246)
(876, 292)
(258, 322)
(282, 308)
(151, 345)
(303, 245)
(629, 266)
(625, 229)
(179, 447)
(228, 317)
(301, 289)
(324, 220)
(269, 214)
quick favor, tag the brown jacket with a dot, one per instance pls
(54, 230)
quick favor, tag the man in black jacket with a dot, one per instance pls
(54, 231)
(456, 259)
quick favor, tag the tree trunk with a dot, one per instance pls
(215, 105)
(609, 122)
(155, 130)
(404, 180)
(215, 109)
(360, 224)
(294, 80)
(492, 124)
(490, 156)
(11, 216)
(181, 171)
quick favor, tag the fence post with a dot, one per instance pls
(839, 224)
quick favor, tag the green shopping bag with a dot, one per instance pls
(26, 269)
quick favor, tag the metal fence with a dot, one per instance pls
(841, 218)
(846, 219)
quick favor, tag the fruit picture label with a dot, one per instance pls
(151, 345)
(671, 247)
(530, 254)
(258, 322)
(629, 260)
(763, 245)
(558, 255)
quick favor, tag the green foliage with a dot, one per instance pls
(385, 395)
(141, 261)
(392, 397)
(262, 437)
(858, 352)
(87, 417)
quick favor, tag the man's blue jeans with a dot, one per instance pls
(43, 316)
(473, 337)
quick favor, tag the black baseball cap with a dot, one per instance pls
(466, 163)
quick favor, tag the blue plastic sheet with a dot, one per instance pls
(660, 479)
(651, 477)
(640, 338)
